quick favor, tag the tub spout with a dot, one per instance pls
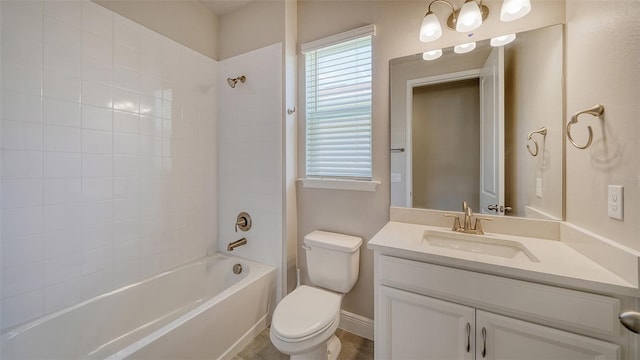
(234, 244)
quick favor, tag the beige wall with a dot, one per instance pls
(446, 145)
(185, 21)
(603, 68)
(256, 25)
(397, 23)
(534, 99)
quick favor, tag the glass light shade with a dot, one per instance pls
(514, 9)
(464, 48)
(431, 55)
(469, 17)
(430, 29)
(502, 40)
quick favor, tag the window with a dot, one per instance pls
(338, 105)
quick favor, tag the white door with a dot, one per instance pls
(419, 327)
(500, 337)
(492, 132)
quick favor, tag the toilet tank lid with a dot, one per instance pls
(333, 241)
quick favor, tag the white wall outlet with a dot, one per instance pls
(539, 187)
(396, 178)
(615, 200)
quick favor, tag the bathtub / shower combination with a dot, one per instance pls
(201, 310)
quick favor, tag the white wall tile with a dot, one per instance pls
(97, 142)
(21, 107)
(21, 250)
(18, 135)
(22, 278)
(61, 191)
(150, 265)
(61, 295)
(126, 144)
(63, 268)
(21, 193)
(97, 283)
(94, 165)
(96, 189)
(126, 57)
(61, 138)
(17, 164)
(97, 20)
(62, 113)
(126, 122)
(62, 242)
(21, 308)
(24, 77)
(97, 70)
(61, 217)
(67, 11)
(126, 165)
(63, 59)
(58, 85)
(126, 187)
(96, 94)
(126, 100)
(62, 165)
(97, 259)
(124, 209)
(96, 118)
(126, 250)
(126, 273)
(126, 32)
(23, 18)
(97, 212)
(96, 235)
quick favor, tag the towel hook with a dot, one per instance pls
(542, 131)
(595, 110)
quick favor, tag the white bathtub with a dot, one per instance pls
(201, 310)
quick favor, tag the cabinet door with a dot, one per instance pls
(499, 337)
(411, 326)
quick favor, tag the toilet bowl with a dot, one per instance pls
(304, 322)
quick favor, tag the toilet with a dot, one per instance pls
(304, 322)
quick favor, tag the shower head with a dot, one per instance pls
(233, 81)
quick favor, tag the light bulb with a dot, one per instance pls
(502, 40)
(431, 55)
(430, 29)
(469, 17)
(514, 9)
(464, 48)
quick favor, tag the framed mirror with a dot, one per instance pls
(485, 127)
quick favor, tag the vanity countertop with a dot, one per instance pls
(559, 264)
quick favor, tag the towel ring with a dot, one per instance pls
(595, 110)
(542, 131)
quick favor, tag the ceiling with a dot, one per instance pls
(221, 7)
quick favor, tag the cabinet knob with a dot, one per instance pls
(631, 320)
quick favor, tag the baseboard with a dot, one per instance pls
(356, 324)
(251, 334)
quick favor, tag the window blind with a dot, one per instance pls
(338, 109)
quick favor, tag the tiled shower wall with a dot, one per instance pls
(250, 155)
(108, 155)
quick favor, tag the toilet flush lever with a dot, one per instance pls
(243, 222)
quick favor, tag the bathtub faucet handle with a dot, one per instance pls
(243, 222)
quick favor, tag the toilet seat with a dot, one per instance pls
(305, 318)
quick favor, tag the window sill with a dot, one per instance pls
(340, 184)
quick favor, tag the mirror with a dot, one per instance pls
(485, 127)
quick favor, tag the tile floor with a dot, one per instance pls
(353, 348)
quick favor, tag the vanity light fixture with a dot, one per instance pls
(514, 9)
(469, 17)
(431, 55)
(502, 40)
(464, 48)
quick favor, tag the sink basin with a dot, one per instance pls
(479, 244)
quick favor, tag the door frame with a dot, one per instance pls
(411, 84)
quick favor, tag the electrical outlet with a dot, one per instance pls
(615, 200)
(539, 187)
(396, 178)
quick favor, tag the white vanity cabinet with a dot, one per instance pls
(427, 311)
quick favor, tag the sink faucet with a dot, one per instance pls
(467, 228)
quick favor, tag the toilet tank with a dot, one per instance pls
(333, 260)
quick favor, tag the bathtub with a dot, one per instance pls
(201, 310)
